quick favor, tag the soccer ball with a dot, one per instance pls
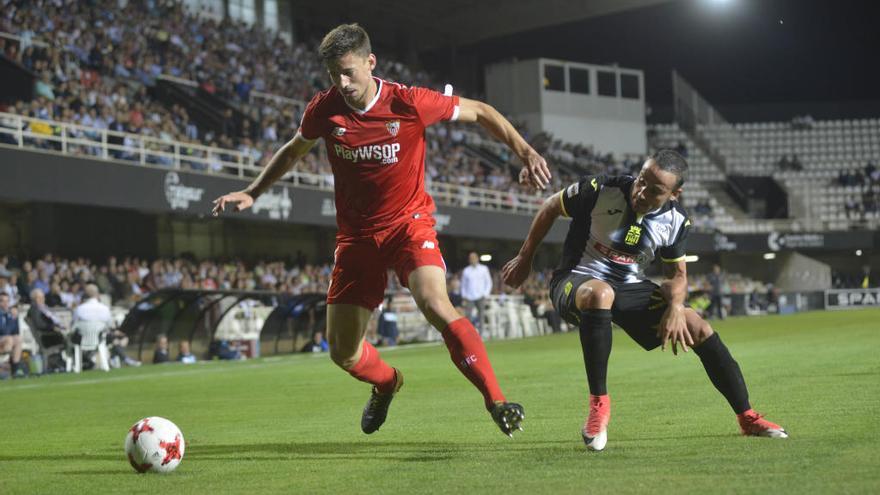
(154, 444)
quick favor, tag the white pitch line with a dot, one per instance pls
(115, 379)
(204, 368)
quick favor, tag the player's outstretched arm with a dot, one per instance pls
(280, 164)
(517, 270)
(535, 169)
(673, 325)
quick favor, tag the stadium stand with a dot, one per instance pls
(154, 85)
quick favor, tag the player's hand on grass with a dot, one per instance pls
(535, 171)
(673, 329)
(515, 271)
(240, 199)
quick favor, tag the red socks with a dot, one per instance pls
(371, 369)
(466, 350)
(469, 355)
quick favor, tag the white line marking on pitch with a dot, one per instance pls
(269, 361)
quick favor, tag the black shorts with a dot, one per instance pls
(637, 309)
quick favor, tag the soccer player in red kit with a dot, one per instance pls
(374, 132)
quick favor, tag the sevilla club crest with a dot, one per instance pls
(393, 127)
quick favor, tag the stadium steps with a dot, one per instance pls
(204, 108)
(204, 114)
(717, 191)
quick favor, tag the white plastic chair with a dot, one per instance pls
(93, 338)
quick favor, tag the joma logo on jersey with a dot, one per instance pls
(385, 153)
(632, 237)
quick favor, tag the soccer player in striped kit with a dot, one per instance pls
(619, 225)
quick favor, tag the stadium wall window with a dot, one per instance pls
(209, 9)
(554, 77)
(243, 10)
(270, 14)
(579, 80)
(607, 83)
(629, 86)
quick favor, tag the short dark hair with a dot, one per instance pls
(345, 38)
(671, 161)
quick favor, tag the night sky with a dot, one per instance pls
(738, 51)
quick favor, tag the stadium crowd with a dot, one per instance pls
(100, 78)
(865, 183)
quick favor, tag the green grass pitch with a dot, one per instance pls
(291, 424)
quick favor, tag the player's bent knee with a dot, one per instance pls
(343, 358)
(594, 295)
(436, 306)
(699, 328)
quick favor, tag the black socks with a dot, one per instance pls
(724, 372)
(595, 332)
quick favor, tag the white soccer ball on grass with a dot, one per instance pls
(154, 444)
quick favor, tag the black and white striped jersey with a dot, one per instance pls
(608, 241)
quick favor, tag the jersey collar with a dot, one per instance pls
(371, 103)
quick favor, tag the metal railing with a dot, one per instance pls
(77, 140)
(717, 137)
(468, 137)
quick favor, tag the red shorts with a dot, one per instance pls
(360, 274)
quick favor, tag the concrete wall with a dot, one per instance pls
(608, 123)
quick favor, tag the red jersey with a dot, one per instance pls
(377, 154)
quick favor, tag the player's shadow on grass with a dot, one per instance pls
(397, 451)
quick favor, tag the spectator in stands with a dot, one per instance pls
(541, 307)
(317, 344)
(387, 326)
(783, 164)
(703, 207)
(476, 285)
(26, 281)
(869, 201)
(43, 86)
(795, 163)
(871, 171)
(10, 338)
(716, 287)
(681, 148)
(802, 122)
(53, 298)
(92, 309)
(118, 343)
(184, 355)
(455, 294)
(221, 349)
(161, 355)
(9, 286)
(851, 207)
(45, 326)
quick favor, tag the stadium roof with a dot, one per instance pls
(433, 23)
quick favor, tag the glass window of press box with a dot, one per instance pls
(629, 86)
(579, 80)
(554, 77)
(607, 83)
